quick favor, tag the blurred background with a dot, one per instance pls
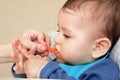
(16, 16)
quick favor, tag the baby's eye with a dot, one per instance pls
(58, 30)
(66, 36)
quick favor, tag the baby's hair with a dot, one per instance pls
(105, 14)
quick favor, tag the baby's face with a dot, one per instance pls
(75, 39)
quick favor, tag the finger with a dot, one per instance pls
(44, 42)
(41, 38)
(20, 63)
(41, 46)
(16, 67)
(15, 56)
(33, 49)
(26, 53)
(44, 39)
(18, 70)
(29, 36)
(47, 40)
(44, 54)
(15, 44)
(27, 43)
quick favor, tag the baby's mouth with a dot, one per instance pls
(54, 50)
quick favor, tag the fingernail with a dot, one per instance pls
(43, 48)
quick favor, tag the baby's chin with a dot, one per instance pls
(66, 62)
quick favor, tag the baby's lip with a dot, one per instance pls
(54, 50)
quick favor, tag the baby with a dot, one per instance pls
(88, 29)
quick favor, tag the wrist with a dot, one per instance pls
(44, 62)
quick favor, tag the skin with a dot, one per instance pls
(74, 41)
(28, 39)
(5, 53)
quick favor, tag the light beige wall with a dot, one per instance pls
(16, 16)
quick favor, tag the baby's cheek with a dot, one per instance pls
(66, 55)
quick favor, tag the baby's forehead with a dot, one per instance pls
(86, 18)
(82, 16)
(89, 12)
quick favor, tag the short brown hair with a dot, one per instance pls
(105, 12)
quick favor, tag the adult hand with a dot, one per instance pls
(33, 37)
(18, 57)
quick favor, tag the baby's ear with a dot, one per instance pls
(100, 47)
